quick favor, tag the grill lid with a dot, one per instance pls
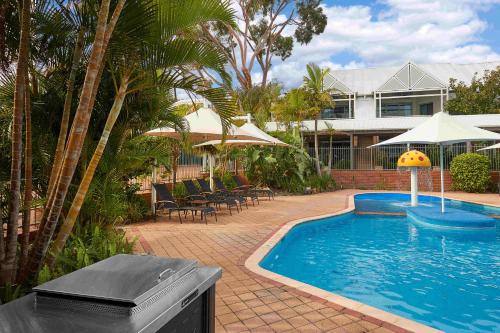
(122, 278)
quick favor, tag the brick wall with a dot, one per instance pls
(389, 180)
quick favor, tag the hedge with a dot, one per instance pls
(470, 172)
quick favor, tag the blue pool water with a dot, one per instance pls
(447, 279)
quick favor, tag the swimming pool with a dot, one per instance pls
(446, 279)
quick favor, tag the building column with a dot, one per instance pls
(351, 150)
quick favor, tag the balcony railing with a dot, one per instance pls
(345, 158)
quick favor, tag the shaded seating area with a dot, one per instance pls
(166, 202)
(251, 188)
(209, 197)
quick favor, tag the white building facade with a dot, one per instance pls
(375, 104)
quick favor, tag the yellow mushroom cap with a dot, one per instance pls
(414, 158)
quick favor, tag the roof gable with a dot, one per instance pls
(411, 77)
(331, 82)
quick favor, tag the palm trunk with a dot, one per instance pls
(75, 141)
(316, 148)
(63, 131)
(70, 220)
(7, 266)
(28, 181)
(330, 154)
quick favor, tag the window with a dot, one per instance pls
(341, 111)
(401, 109)
(426, 109)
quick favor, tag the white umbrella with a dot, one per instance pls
(442, 129)
(261, 135)
(497, 146)
(235, 143)
(202, 125)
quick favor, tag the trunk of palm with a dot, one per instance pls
(330, 154)
(76, 137)
(74, 211)
(63, 131)
(28, 172)
(316, 146)
(7, 266)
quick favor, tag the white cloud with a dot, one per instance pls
(424, 31)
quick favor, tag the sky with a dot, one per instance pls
(369, 33)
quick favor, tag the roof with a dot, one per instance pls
(489, 121)
(365, 81)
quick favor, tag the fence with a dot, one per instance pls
(386, 157)
(188, 167)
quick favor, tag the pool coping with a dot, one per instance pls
(346, 305)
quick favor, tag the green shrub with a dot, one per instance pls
(470, 172)
(87, 245)
(324, 182)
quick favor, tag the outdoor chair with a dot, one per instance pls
(205, 187)
(195, 194)
(257, 190)
(244, 194)
(165, 201)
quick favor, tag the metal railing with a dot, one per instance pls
(188, 167)
(386, 157)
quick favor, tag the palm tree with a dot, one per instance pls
(293, 108)
(331, 132)
(154, 58)
(9, 254)
(318, 98)
(55, 199)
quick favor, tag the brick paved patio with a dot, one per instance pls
(247, 302)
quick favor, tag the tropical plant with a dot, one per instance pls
(331, 132)
(318, 98)
(292, 109)
(89, 244)
(470, 172)
(123, 58)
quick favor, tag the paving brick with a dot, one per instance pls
(245, 301)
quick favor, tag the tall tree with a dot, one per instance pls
(260, 35)
(318, 98)
(104, 31)
(481, 96)
(138, 63)
(7, 264)
(292, 109)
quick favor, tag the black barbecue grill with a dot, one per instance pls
(124, 293)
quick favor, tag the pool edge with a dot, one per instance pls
(366, 311)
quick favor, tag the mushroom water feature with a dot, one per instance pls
(413, 160)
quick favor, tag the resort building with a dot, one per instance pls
(375, 104)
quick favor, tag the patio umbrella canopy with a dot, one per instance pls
(497, 146)
(441, 129)
(261, 135)
(202, 125)
(235, 143)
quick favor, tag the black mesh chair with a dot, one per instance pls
(205, 187)
(195, 194)
(241, 193)
(251, 188)
(165, 201)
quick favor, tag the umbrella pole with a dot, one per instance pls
(211, 166)
(441, 164)
(153, 192)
